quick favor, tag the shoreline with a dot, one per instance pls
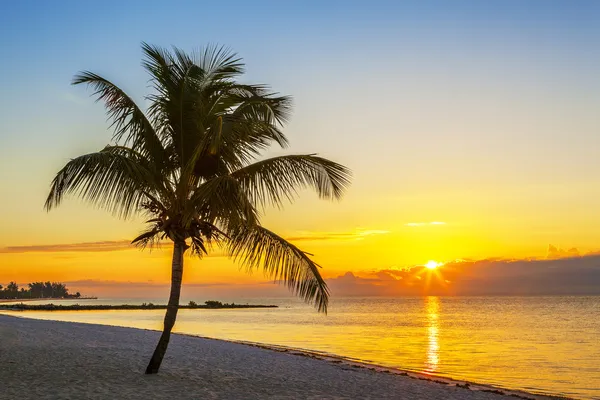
(420, 375)
(408, 373)
(343, 363)
(125, 307)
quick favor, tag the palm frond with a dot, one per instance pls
(221, 200)
(218, 62)
(204, 236)
(159, 63)
(255, 246)
(129, 122)
(177, 108)
(107, 179)
(278, 178)
(256, 103)
(148, 239)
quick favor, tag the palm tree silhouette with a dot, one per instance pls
(189, 163)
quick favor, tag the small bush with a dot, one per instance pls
(213, 303)
(192, 303)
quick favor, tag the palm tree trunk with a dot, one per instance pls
(176, 276)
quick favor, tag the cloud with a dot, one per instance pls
(116, 245)
(352, 285)
(70, 97)
(108, 245)
(578, 275)
(565, 276)
(414, 224)
(557, 252)
(318, 236)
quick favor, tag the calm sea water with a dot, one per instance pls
(539, 344)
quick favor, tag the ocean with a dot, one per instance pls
(545, 345)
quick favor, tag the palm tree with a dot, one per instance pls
(190, 164)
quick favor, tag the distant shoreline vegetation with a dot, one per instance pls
(210, 304)
(37, 290)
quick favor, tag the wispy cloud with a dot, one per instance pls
(353, 235)
(372, 232)
(107, 245)
(413, 224)
(73, 98)
(118, 245)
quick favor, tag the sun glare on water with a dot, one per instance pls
(432, 264)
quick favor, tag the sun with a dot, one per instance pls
(432, 264)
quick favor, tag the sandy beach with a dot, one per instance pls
(59, 360)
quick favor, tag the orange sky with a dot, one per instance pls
(360, 251)
(471, 134)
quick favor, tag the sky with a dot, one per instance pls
(472, 130)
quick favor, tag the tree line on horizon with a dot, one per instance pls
(37, 290)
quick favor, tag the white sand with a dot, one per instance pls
(60, 360)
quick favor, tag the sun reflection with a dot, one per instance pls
(432, 307)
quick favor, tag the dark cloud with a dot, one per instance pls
(352, 285)
(565, 276)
